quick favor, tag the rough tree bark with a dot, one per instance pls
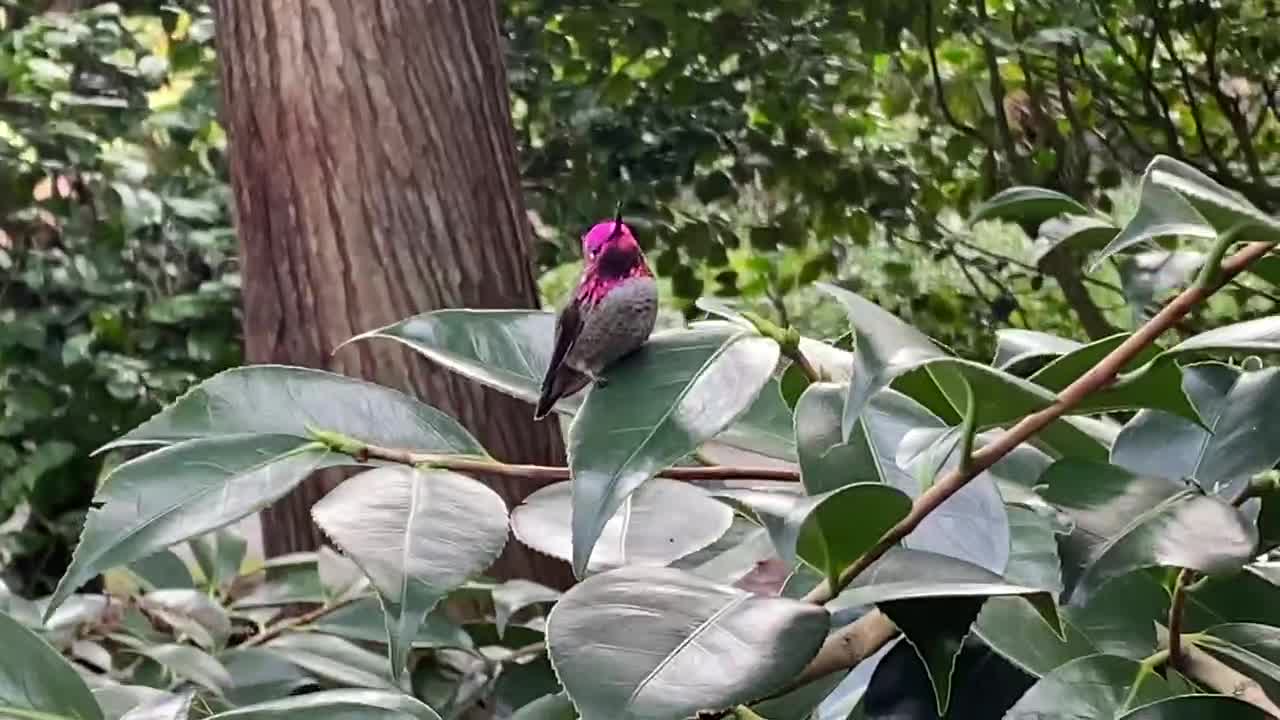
(374, 170)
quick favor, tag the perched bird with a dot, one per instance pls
(611, 313)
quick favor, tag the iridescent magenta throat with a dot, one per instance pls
(595, 286)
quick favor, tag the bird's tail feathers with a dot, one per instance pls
(566, 381)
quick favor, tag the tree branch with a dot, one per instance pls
(306, 618)
(996, 84)
(1176, 608)
(1217, 675)
(930, 43)
(496, 468)
(1193, 102)
(1097, 378)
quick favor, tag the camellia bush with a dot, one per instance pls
(763, 526)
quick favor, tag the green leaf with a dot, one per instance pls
(825, 462)
(1180, 200)
(334, 659)
(1017, 348)
(633, 643)
(509, 350)
(936, 629)
(289, 579)
(1239, 409)
(884, 347)
(1154, 385)
(1083, 233)
(281, 400)
(162, 570)
(1198, 707)
(182, 491)
(1124, 522)
(192, 613)
(362, 620)
(903, 574)
(259, 675)
(680, 390)
(417, 535)
(1027, 204)
(192, 664)
(117, 700)
(827, 540)
(169, 707)
(513, 596)
(219, 555)
(888, 348)
(37, 680)
(1033, 551)
(1251, 596)
(1251, 336)
(556, 706)
(336, 705)
(1250, 648)
(1099, 687)
(1012, 628)
(658, 524)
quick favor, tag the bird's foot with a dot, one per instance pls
(599, 380)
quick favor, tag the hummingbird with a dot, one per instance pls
(611, 314)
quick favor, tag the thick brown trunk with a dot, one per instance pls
(374, 170)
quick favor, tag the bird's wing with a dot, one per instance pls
(568, 325)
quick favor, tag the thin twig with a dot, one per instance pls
(1176, 609)
(306, 618)
(497, 468)
(1099, 377)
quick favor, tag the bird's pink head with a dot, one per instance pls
(612, 252)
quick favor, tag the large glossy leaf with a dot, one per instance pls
(1017, 348)
(936, 629)
(679, 390)
(1250, 648)
(219, 555)
(970, 525)
(903, 574)
(1261, 335)
(1033, 550)
(334, 659)
(1251, 596)
(1124, 522)
(1082, 233)
(417, 535)
(1099, 687)
(556, 706)
(282, 400)
(889, 350)
(1178, 200)
(1157, 386)
(658, 524)
(509, 350)
(35, 680)
(884, 347)
(634, 643)
(513, 596)
(116, 701)
(191, 664)
(984, 687)
(1197, 707)
(288, 579)
(336, 705)
(182, 491)
(836, 528)
(1240, 410)
(170, 707)
(193, 613)
(363, 621)
(1024, 203)
(258, 675)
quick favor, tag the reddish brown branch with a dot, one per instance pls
(1099, 377)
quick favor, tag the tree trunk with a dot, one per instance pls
(374, 170)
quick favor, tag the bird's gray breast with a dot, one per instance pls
(618, 324)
